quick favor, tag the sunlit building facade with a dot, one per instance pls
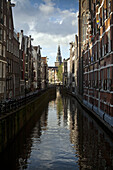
(97, 59)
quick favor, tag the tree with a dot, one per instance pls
(60, 73)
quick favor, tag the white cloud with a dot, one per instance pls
(46, 8)
(48, 25)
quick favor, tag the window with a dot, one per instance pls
(4, 70)
(9, 35)
(105, 16)
(102, 78)
(108, 8)
(4, 51)
(96, 53)
(1, 49)
(7, 45)
(105, 49)
(1, 17)
(108, 78)
(96, 79)
(9, 23)
(102, 47)
(109, 42)
(0, 34)
(102, 15)
(73, 68)
(4, 35)
(99, 52)
(84, 27)
(0, 69)
(5, 20)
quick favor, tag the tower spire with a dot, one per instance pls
(58, 58)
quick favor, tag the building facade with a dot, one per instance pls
(26, 62)
(84, 6)
(66, 72)
(39, 66)
(12, 55)
(98, 58)
(52, 74)
(35, 67)
(3, 43)
(44, 72)
(74, 65)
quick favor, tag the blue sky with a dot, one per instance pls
(49, 22)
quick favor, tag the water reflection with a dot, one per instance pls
(63, 137)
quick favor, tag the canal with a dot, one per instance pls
(63, 137)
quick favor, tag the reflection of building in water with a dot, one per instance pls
(94, 147)
(59, 104)
(66, 110)
(44, 118)
(58, 93)
(73, 122)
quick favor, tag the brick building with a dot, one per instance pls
(35, 67)
(44, 72)
(26, 62)
(3, 60)
(9, 53)
(97, 52)
(12, 55)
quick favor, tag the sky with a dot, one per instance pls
(49, 22)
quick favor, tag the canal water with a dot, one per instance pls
(63, 137)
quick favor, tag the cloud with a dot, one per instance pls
(47, 7)
(48, 24)
(49, 44)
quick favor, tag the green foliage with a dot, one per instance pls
(60, 73)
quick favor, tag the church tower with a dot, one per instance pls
(58, 58)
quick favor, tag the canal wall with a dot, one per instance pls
(107, 127)
(12, 123)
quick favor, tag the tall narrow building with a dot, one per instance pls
(83, 20)
(58, 58)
